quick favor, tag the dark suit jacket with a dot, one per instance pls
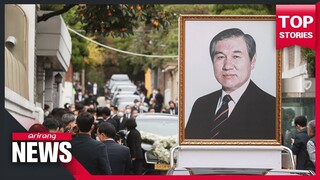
(299, 148)
(116, 118)
(77, 97)
(114, 123)
(175, 111)
(123, 123)
(253, 117)
(145, 100)
(119, 157)
(134, 143)
(91, 153)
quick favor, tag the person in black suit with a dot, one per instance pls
(91, 153)
(119, 155)
(173, 109)
(79, 97)
(299, 145)
(158, 98)
(115, 117)
(91, 100)
(240, 110)
(106, 113)
(134, 143)
(143, 98)
(126, 116)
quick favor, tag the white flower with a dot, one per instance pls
(161, 146)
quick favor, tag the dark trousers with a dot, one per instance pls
(137, 166)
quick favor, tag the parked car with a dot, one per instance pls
(123, 104)
(119, 83)
(124, 89)
(158, 126)
(124, 98)
(118, 78)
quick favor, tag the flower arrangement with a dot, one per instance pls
(161, 146)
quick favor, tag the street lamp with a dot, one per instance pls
(58, 80)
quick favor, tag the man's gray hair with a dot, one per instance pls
(233, 32)
(67, 118)
(312, 126)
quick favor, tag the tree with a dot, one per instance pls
(117, 20)
(114, 20)
(148, 41)
(309, 55)
(246, 9)
(143, 29)
(156, 42)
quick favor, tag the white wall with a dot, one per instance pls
(66, 94)
(230, 156)
(23, 110)
(30, 10)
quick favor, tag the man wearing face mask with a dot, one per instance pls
(46, 110)
(136, 104)
(95, 90)
(127, 115)
(158, 97)
(143, 98)
(79, 97)
(153, 94)
(114, 117)
(120, 115)
(106, 113)
(127, 112)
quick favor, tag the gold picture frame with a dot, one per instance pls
(196, 73)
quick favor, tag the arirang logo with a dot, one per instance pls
(49, 147)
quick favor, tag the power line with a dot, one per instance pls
(118, 50)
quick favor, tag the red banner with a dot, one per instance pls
(296, 25)
(37, 136)
(318, 33)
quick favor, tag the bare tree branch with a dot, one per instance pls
(45, 17)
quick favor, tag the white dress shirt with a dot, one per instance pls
(235, 95)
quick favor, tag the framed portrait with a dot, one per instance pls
(230, 80)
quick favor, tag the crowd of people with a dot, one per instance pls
(110, 133)
(303, 143)
(96, 141)
(105, 139)
(299, 135)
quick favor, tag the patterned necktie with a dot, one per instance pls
(221, 116)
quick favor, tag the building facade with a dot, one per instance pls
(37, 55)
(298, 91)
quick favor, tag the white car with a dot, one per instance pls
(158, 123)
(156, 128)
(120, 83)
(118, 78)
(124, 98)
(123, 104)
(124, 89)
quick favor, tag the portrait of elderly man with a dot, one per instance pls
(240, 109)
